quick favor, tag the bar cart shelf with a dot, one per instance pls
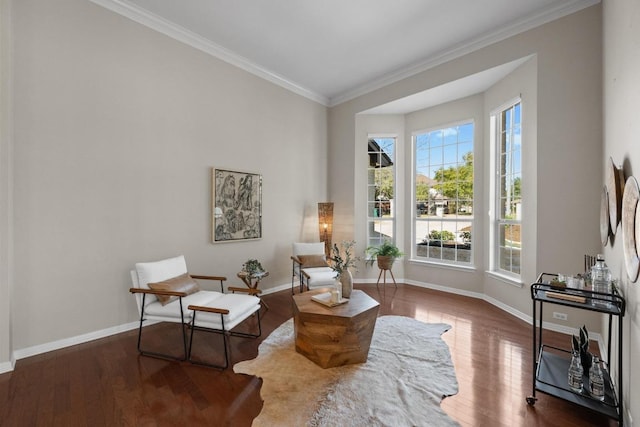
(551, 364)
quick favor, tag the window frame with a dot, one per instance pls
(497, 218)
(392, 218)
(470, 264)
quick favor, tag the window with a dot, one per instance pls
(443, 194)
(380, 190)
(506, 228)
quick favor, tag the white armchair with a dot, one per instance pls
(165, 292)
(310, 266)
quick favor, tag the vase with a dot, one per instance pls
(347, 283)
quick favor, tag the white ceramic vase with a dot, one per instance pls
(347, 283)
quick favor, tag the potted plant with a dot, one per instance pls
(341, 260)
(385, 254)
(252, 267)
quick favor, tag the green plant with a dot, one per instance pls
(441, 235)
(342, 257)
(581, 343)
(252, 266)
(387, 248)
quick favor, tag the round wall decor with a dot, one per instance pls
(631, 228)
(604, 216)
(615, 188)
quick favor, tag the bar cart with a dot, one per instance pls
(551, 364)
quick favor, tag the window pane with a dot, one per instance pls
(509, 258)
(465, 148)
(435, 154)
(444, 241)
(516, 161)
(379, 231)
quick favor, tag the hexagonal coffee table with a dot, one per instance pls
(334, 336)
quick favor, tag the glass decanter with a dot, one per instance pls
(575, 373)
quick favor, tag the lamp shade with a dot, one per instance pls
(325, 224)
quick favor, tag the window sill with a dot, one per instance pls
(459, 267)
(513, 281)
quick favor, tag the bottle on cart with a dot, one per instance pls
(575, 373)
(596, 380)
(601, 280)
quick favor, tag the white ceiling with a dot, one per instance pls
(335, 50)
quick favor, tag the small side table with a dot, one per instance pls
(253, 280)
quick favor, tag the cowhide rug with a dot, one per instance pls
(408, 372)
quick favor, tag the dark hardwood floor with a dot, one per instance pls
(106, 382)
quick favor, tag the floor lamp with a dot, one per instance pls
(325, 225)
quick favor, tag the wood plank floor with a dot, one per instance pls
(106, 382)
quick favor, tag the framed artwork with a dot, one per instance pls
(236, 212)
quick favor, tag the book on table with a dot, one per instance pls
(325, 299)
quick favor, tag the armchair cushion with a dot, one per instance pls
(157, 311)
(310, 261)
(183, 283)
(158, 271)
(308, 248)
(320, 277)
(239, 306)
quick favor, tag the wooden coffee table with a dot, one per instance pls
(334, 336)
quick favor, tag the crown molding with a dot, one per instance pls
(462, 49)
(157, 23)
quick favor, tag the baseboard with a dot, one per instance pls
(67, 342)
(7, 366)
(276, 289)
(441, 288)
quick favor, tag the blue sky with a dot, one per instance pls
(443, 148)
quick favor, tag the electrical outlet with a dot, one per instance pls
(559, 316)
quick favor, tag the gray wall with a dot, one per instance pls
(6, 346)
(621, 130)
(116, 127)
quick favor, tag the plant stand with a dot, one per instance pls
(252, 281)
(384, 277)
(385, 263)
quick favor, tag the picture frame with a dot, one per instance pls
(236, 206)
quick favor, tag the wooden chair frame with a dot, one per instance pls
(296, 261)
